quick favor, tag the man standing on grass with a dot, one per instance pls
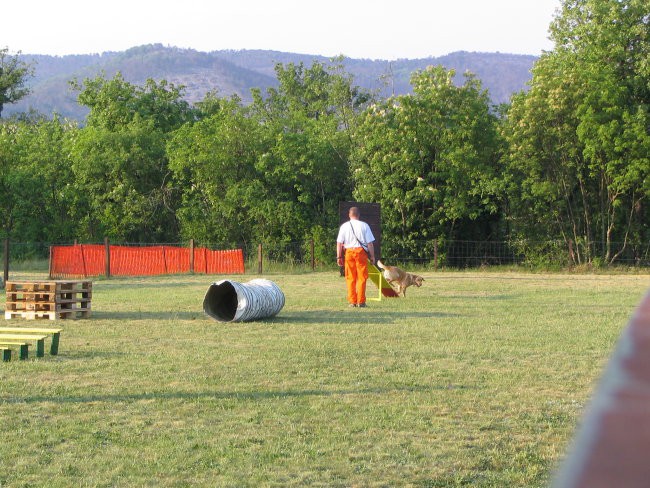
(356, 239)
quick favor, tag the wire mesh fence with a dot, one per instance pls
(456, 254)
(297, 257)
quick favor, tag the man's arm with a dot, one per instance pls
(339, 253)
(371, 250)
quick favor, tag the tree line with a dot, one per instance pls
(567, 160)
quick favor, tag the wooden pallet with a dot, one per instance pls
(47, 290)
(78, 313)
(64, 306)
(52, 300)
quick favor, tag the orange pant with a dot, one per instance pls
(356, 274)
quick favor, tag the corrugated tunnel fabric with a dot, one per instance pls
(230, 301)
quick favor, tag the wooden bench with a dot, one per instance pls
(55, 333)
(39, 339)
(6, 353)
(23, 347)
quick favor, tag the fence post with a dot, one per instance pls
(5, 275)
(435, 254)
(313, 256)
(191, 256)
(49, 272)
(260, 267)
(83, 260)
(107, 259)
(164, 258)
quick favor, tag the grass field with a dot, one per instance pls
(475, 379)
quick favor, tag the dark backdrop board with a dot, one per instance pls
(371, 214)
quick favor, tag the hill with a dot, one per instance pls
(236, 72)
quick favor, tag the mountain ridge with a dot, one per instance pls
(231, 72)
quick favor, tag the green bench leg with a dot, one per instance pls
(6, 354)
(54, 348)
(40, 348)
(24, 351)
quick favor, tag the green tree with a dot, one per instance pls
(549, 180)
(13, 76)
(213, 164)
(271, 172)
(120, 161)
(36, 189)
(579, 139)
(120, 178)
(432, 160)
(307, 123)
(115, 102)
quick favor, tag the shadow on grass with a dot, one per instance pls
(142, 283)
(148, 282)
(356, 316)
(148, 315)
(477, 296)
(290, 317)
(93, 354)
(224, 395)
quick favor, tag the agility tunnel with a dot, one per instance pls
(230, 301)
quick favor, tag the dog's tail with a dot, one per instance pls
(380, 264)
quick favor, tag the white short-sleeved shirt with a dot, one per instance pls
(362, 231)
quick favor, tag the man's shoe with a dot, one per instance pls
(362, 305)
(352, 305)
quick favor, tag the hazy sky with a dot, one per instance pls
(375, 29)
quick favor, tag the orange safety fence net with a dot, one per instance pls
(209, 262)
(83, 260)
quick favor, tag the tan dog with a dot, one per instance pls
(399, 278)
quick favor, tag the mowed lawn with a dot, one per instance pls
(475, 379)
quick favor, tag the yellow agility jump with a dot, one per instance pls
(384, 288)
